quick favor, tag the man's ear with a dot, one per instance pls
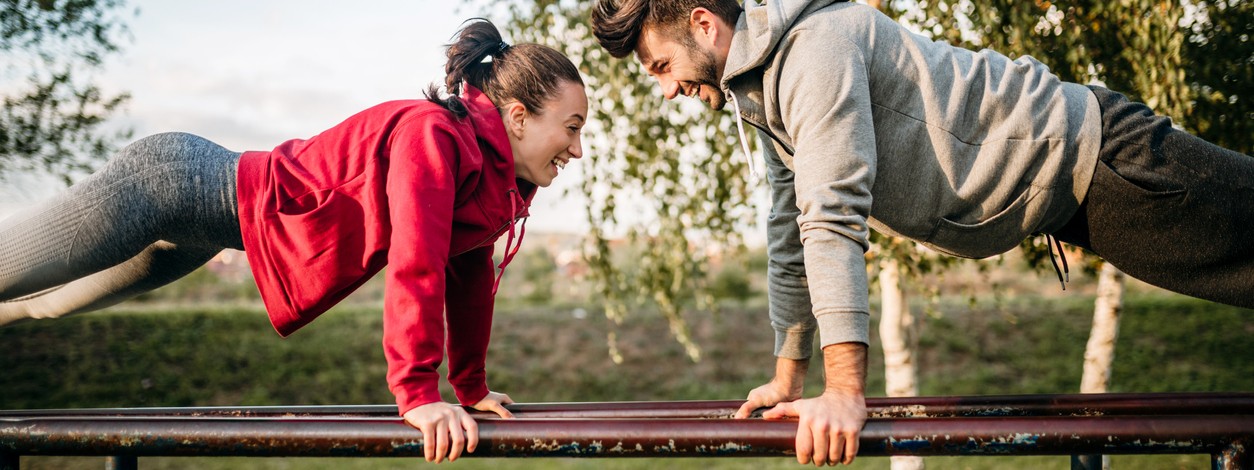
(515, 117)
(706, 25)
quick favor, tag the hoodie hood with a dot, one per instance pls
(757, 34)
(759, 31)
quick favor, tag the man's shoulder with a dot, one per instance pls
(840, 14)
(846, 23)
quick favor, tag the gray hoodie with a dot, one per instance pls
(866, 123)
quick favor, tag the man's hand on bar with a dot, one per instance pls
(828, 425)
(789, 382)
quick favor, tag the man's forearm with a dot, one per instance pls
(790, 374)
(844, 367)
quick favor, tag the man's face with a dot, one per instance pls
(681, 66)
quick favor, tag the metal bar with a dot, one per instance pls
(379, 437)
(916, 407)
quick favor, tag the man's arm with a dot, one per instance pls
(788, 290)
(825, 105)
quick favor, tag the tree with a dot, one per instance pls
(53, 122)
(1219, 49)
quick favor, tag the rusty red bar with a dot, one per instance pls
(390, 437)
(914, 407)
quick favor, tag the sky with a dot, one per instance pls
(252, 74)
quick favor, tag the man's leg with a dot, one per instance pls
(1169, 208)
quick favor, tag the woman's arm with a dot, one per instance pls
(469, 304)
(421, 186)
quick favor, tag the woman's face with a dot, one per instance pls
(544, 143)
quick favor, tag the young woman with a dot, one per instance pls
(424, 187)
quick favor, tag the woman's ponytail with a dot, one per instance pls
(527, 73)
(476, 41)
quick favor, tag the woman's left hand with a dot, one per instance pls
(495, 402)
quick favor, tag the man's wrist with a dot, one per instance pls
(844, 366)
(790, 375)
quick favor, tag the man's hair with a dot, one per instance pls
(617, 24)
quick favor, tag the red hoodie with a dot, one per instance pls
(321, 216)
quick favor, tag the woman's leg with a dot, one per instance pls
(159, 264)
(161, 204)
(1169, 208)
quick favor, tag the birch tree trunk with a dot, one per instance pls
(1099, 354)
(899, 337)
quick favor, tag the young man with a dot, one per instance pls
(866, 124)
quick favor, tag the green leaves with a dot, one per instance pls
(52, 117)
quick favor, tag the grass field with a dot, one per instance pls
(231, 356)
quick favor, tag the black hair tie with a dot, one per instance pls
(502, 48)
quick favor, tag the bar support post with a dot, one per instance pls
(122, 462)
(1234, 457)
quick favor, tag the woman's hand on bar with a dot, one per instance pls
(495, 402)
(447, 429)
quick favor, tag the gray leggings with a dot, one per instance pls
(162, 207)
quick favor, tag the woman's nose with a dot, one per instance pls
(576, 148)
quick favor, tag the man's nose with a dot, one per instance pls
(670, 88)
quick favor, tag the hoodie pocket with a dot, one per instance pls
(989, 237)
(320, 251)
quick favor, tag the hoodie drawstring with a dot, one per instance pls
(744, 141)
(511, 248)
(1050, 241)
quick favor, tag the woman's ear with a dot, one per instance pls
(515, 116)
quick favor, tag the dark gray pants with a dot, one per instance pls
(162, 207)
(1167, 207)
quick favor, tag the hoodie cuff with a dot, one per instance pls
(794, 343)
(468, 396)
(844, 327)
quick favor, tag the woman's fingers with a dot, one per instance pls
(428, 441)
(500, 410)
(441, 439)
(472, 432)
(448, 431)
(457, 439)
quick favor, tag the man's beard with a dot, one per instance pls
(708, 72)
